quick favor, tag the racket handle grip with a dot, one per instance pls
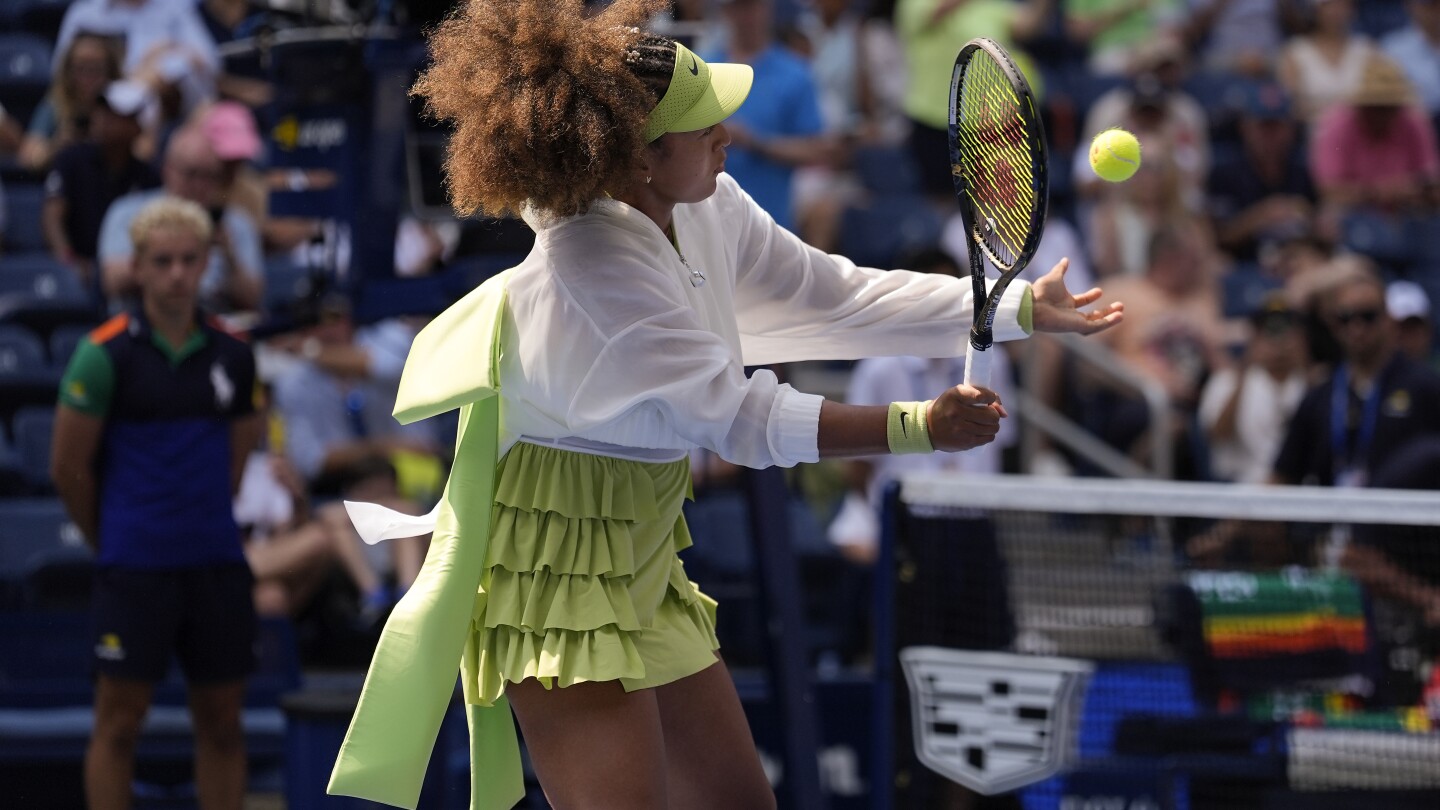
(977, 366)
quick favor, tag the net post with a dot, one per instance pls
(785, 637)
(881, 709)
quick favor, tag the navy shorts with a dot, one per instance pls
(204, 616)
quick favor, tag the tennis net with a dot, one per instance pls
(1052, 642)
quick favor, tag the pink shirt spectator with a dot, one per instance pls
(1343, 154)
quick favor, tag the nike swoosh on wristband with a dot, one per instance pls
(694, 67)
(903, 431)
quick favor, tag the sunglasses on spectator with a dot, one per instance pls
(1365, 316)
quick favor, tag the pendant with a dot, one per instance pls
(697, 278)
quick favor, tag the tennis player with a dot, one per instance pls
(617, 346)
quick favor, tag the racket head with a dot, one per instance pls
(999, 163)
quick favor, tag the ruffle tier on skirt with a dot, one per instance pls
(583, 581)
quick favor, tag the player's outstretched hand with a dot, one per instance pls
(1056, 310)
(964, 417)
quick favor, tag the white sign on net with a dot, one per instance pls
(990, 721)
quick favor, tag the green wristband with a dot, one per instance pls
(906, 429)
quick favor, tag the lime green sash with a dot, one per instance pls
(454, 362)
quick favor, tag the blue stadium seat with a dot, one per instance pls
(33, 427)
(63, 342)
(23, 231)
(12, 481)
(886, 170)
(40, 17)
(878, 234)
(29, 528)
(24, 72)
(1382, 237)
(1377, 18)
(39, 276)
(21, 351)
(1243, 290)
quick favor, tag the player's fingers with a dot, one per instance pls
(976, 395)
(1103, 319)
(1090, 296)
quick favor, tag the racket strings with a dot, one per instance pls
(995, 159)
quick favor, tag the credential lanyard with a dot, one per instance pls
(1349, 461)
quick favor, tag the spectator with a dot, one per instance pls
(1375, 151)
(227, 21)
(230, 128)
(1263, 194)
(165, 45)
(334, 403)
(1113, 30)
(1126, 219)
(152, 430)
(63, 117)
(1167, 120)
(860, 72)
(293, 549)
(1172, 334)
(779, 128)
(931, 32)
(1237, 36)
(192, 171)
(89, 175)
(1375, 402)
(1416, 49)
(11, 133)
(1325, 66)
(1409, 306)
(1244, 407)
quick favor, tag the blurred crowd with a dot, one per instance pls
(1289, 155)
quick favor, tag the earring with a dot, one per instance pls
(647, 179)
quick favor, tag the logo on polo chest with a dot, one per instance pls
(224, 388)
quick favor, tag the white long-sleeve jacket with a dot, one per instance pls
(609, 346)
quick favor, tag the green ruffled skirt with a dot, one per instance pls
(582, 579)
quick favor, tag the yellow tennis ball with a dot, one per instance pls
(1115, 155)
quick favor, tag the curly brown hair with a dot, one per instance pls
(548, 104)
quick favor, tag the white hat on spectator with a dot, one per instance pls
(125, 97)
(1405, 300)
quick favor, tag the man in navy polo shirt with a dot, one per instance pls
(155, 420)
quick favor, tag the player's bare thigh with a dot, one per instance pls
(710, 753)
(594, 745)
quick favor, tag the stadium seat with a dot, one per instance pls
(26, 377)
(1376, 18)
(40, 17)
(23, 231)
(24, 72)
(1380, 236)
(63, 342)
(29, 527)
(1243, 290)
(886, 170)
(12, 481)
(21, 351)
(39, 276)
(33, 427)
(878, 234)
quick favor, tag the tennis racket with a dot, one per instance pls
(998, 160)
